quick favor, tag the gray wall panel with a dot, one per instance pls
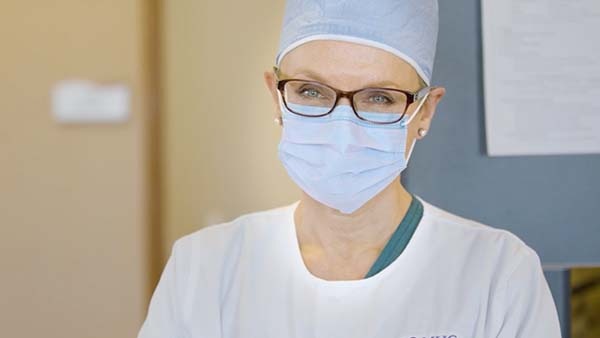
(551, 202)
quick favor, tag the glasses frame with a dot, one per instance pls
(411, 97)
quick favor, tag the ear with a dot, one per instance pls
(271, 83)
(429, 107)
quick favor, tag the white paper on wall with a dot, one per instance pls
(541, 61)
(81, 101)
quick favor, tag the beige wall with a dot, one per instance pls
(219, 141)
(73, 199)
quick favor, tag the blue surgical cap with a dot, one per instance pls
(406, 28)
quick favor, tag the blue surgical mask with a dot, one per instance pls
(342, 161)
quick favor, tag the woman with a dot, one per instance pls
(358, 255)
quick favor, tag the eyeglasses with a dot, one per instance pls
(375, 105)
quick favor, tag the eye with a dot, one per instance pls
(380, 99)
(310, 92)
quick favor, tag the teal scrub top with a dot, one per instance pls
(399, 238)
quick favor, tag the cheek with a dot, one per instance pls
(412, 129)
(410, 138)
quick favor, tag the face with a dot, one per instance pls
(349, 66)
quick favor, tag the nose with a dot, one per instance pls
(344, 100)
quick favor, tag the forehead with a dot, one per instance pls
(348, 65)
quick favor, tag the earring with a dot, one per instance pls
(278, 120)
(422, 132)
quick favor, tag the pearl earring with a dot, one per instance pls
(422, 132)
(278, 120)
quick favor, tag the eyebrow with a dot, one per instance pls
(314, 76)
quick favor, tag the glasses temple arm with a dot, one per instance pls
(423, 92)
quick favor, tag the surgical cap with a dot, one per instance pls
(406, 28)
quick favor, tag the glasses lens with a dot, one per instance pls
(308, 98)
(380, 105)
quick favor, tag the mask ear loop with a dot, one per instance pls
(279, 118)
(409, 120)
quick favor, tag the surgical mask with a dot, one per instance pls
(340, 160)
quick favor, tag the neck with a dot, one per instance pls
(329, 233)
